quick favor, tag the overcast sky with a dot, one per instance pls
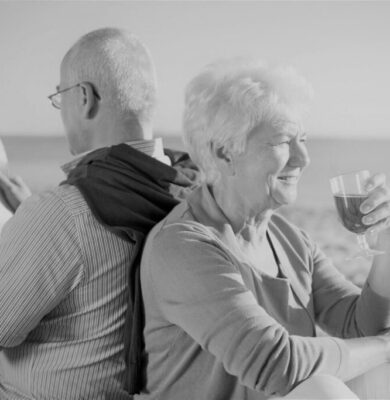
(343, 48)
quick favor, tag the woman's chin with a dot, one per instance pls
(284, 199)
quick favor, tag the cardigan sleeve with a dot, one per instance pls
(199, 289)
(342, 309)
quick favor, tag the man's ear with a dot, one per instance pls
(88, 101)
(224, 159)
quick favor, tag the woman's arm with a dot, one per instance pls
(339, 305)
(365, 354)
(377, 215)
(379, 276)
(199, 289)
(341, 308)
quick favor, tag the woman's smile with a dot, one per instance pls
(289, 179)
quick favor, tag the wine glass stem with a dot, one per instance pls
(363, 242)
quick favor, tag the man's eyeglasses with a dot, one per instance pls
(55, 98)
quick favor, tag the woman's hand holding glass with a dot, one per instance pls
(376, 210)
(363, 204)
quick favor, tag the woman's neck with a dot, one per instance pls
(247, 220)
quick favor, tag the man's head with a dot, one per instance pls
(113, 90)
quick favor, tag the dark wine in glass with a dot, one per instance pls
(348, 208)
(349, 193)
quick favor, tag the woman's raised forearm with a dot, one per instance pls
(379, 276)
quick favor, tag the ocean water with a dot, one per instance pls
(38, 160)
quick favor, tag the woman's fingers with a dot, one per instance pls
(378, 194)
(374, 181)
(377, 206)
(380, 214)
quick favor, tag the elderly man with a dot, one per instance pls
(69, 281)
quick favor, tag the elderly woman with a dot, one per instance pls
(233, 291)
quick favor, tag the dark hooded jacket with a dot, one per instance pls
(129, 192)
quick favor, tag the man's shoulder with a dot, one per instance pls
(72, 198)
(68, 195)
(63, 199)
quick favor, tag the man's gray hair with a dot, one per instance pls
(121, 68)
(230, 98)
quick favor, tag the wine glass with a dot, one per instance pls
(349, 193)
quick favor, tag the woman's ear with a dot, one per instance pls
(224, 160)
(88, 101)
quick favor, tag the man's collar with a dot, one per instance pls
(153, 148)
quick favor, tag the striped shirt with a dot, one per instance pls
(63, 302)
(63, 288)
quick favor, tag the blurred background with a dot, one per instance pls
(342, 47)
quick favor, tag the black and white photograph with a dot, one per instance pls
(194, 200)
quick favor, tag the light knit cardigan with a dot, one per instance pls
(217, 328)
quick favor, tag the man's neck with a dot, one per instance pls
(110, 130)
(153, 148)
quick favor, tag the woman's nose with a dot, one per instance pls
(299, 156)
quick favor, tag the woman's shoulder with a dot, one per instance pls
(177, 242)
(179, 223)
(282, 223)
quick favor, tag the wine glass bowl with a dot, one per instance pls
(348, 209)
(349, 193)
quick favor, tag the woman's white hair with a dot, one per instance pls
(121, 68)
(229, 98)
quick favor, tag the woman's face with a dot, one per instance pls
(267, 173)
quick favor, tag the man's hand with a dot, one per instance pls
(13, 190)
